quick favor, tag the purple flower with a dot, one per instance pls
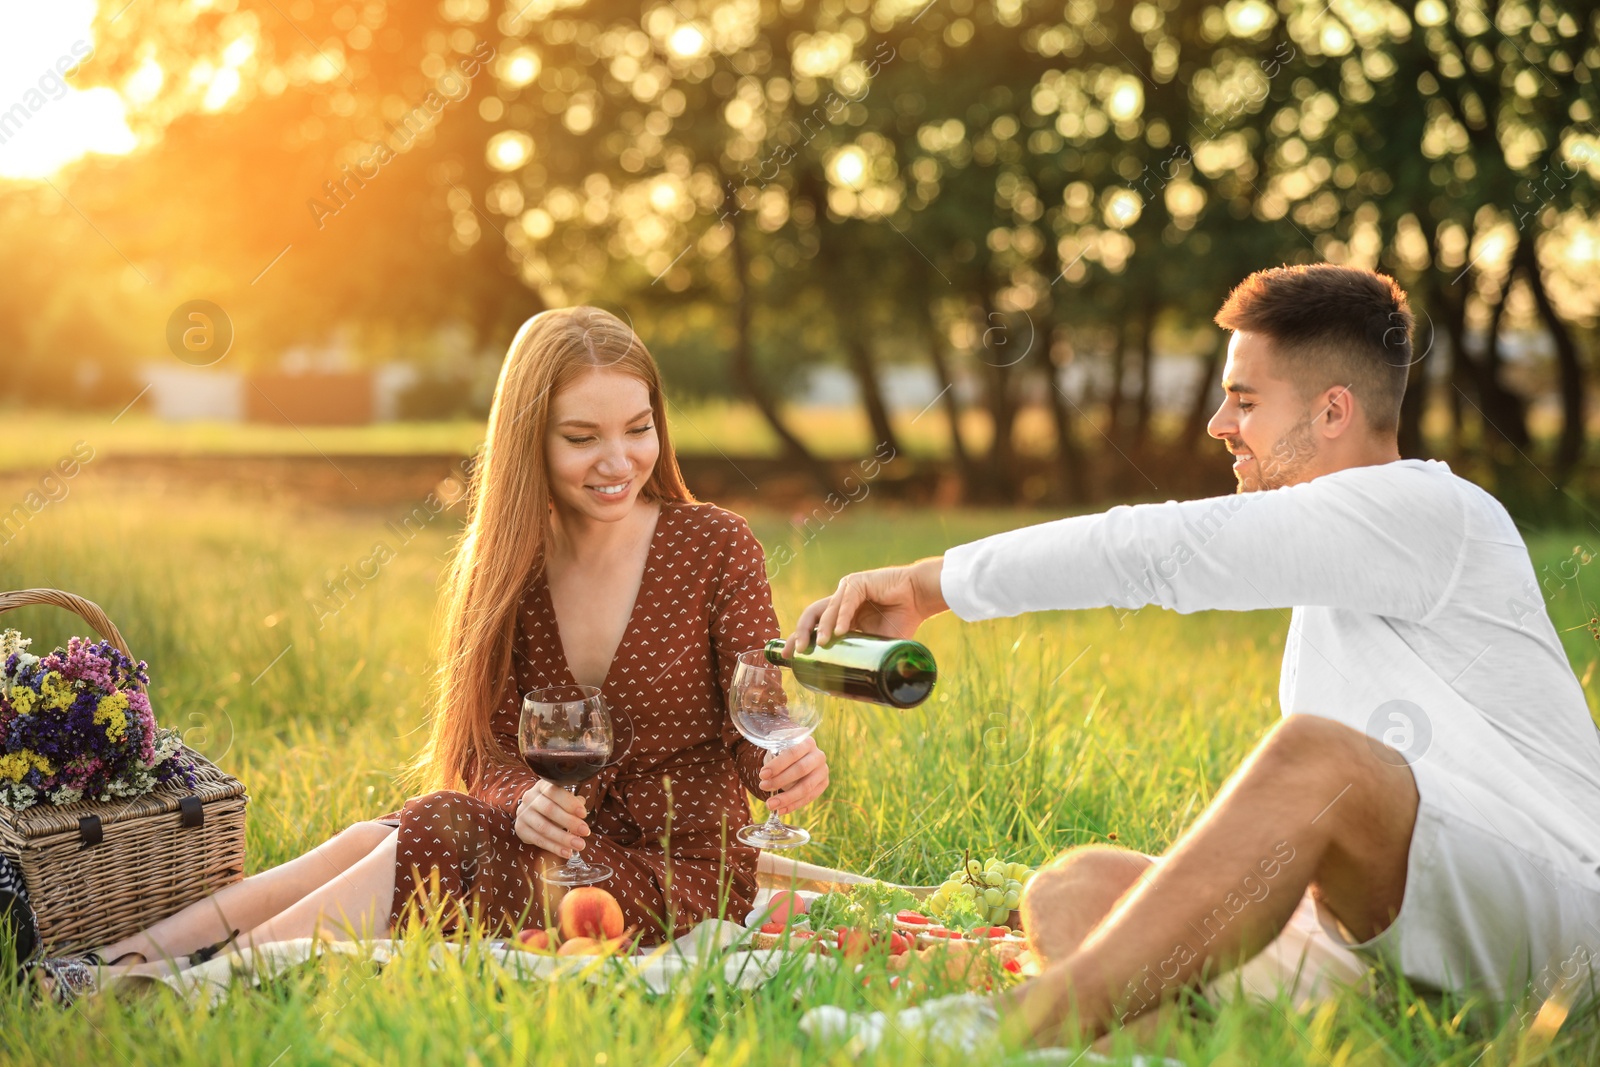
(88, 749)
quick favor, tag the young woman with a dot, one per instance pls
(585, 560)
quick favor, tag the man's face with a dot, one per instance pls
(1263, 419)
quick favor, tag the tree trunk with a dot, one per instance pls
(1115, 428)
(1412, 408)
(1142, 404)
(1414, 403)
(859, 349)
(1503, 410)
(1001, 462)
(1453, 313)
(1204, 401)
(845, 294)
(742, 358)
(1069, 458)
(947, 395)
(1569, 448)
(1478, 381)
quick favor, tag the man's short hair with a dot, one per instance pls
(1331, 326)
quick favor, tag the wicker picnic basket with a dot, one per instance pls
(98, 872)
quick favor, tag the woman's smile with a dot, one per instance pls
(601, 445)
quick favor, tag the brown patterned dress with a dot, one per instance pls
(703, 599)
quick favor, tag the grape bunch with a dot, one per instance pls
(991, 887)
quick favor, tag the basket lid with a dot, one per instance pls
(18, 828)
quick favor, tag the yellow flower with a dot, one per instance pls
(56, 691)
(16, 764)
(23, 699)
(113, 711)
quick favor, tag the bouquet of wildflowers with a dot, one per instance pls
(76, 724)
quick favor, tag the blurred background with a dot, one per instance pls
(289, 240)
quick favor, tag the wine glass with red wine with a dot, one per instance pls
(565, 737)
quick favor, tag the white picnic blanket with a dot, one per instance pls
(659, 968)
(1301, 962)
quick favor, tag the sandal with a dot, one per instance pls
(203, 955)
(64, 980)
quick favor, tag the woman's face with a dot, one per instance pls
(602, 444)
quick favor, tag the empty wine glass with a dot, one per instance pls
(773, 711)
(565, 737)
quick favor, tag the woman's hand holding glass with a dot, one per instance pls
(551, 818)
(796, 776)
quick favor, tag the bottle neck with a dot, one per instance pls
(775, 656)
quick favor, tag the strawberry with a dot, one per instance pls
(912, 918)
(773, 927)
(899, 943)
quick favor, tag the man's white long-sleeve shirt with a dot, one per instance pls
(1410, 588)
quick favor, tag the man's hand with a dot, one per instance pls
(552, 818)
(889, 602)
(796, 776)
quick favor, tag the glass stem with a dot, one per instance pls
(774, 820)
(575, 861)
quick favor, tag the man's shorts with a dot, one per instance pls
(1492, 903)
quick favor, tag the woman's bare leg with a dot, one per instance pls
(354, 904)
(248, 903)
(354, 901)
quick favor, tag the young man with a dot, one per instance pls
(1434, 784)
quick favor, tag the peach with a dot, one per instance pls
(589, 911)
(535, 940)
(589, 946)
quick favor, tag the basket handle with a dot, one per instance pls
(88, 610)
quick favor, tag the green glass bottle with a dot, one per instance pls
(883, 670)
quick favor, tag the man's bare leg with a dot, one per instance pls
(1074, 893)
(1314, 803)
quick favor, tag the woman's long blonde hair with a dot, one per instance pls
(508, 525)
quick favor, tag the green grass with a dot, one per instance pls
(34, 440)
(1020, 754)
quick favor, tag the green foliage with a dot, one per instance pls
(782, 185)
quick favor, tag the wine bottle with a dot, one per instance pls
(883, 670)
